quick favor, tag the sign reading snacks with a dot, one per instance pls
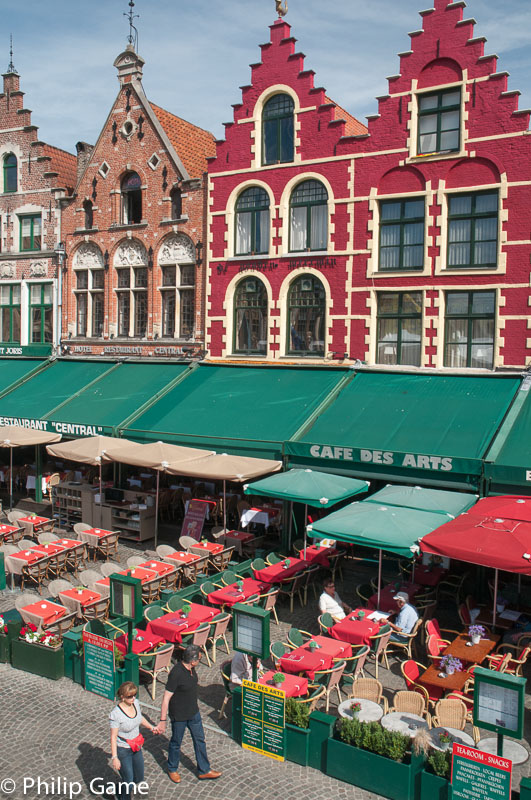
(476, 774)
(263, 719)
(99, 664)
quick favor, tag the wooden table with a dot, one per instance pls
(475, 653)
(449, 683)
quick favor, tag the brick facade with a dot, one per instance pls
(427, 250)
(34, 179)
(134, 284)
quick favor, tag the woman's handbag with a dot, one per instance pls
(136, 743)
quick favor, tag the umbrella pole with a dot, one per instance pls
(224, 507)
(495, 598)
(157, 510)
(290, 523)
(305, 525)
(11, 479)
(379, 574)
(101, 496)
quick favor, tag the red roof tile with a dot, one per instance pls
(192, 144)
(353, 126)
(65, 164)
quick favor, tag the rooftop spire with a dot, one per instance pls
(132, 39)
(11, 66)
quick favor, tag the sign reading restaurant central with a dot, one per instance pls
(66, 428)
(382, 457)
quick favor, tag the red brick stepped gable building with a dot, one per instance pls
(34, 178)
(425, 214)
(277, 289)
(135, 278)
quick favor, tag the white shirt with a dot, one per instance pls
(331, 605)
(241, 668)
(406, 618)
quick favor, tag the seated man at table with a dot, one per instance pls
(406, 618)
(331, 603)
(241, 668)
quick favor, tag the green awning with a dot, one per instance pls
(241, 410)
(422, 428)
(114, 396)
(508, 462)
(15, 370)
(388, 528)
(308, 486)
(434, 500)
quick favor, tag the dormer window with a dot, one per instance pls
(277, 125)
(10, 173)
(439, 115)
(131, 189)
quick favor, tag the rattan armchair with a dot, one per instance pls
(370, 689)
(411, 703)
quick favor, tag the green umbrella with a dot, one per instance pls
(417, 497)
(308, 486)
(391, 528)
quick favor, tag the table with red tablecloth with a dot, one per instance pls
(207, 548)
(172, 626)
(293, 686)
(143, 575)
(303, 659)
(238, 538)
(43, 612)
(33, 524)
(143, 642)
(76, 599)
(354, 630)
(24, 558)
(318, 555)
(229, 595)
(162, 568)
(276, 573)
(7, 530)
(428, 576)
(181, 558)
(387, 593)
(51, 549)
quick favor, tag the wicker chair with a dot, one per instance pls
(187, 542)
(57, 586)
(369, 689)
(326, 621)
(153, 612)
(225, 676)
(89, 576)
(109, 568)
(165, 550)
(25, 544)
(364, 592)
(258, 563)
(379, 644)
(62, 625)
(152, 664)
(35, 573)
(411, 703)
(315, 692)
(220, 561)
(410, 640)
(135, 561)
(515, 663)
(218, 629)
(411, 672)
(330, 679)
(106, 545)
(175, 603)
(452, 712)
(46, 537)
(99, 609)
(268, 603)
(354, 668)
(296, 637)
(290, 588)
(277, 650)
(199, 637)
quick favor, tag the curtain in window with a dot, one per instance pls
(319, 232)
(298, 228)
(387, 341)
(459, 242)
(262, 231)
(243, 232)
(482, 350)
(413, 255)
(286, 139)
(410, 349)
(456, 343)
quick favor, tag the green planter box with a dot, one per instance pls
(236, 722)
(297, 741)
(119, 677)
(525, 789)
(433, 788)
(375, 773)
(37, 659)
(5, 648)
(321, 731)
(74, 665)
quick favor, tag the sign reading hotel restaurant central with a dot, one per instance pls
(414, 460)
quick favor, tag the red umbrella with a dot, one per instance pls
(508, 506)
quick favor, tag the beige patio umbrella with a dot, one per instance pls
(225, 467)
(15, 436)
(157, 456)
(91, 450)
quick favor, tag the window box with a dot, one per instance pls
(432, 787)
(38, 659)
(378, 774)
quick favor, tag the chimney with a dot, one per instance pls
(11, 82)
(129, 66)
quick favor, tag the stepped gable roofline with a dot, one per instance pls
(193, 144)
(353, 127)
(64, 164)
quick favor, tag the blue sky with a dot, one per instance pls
(197, 53)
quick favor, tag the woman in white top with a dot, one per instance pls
(126, 719)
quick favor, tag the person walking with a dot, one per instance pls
(180, 701)
(126, 739)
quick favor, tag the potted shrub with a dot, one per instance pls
(365, 754)
(297, 731)
(278, 679)
(39, 653)
(186, 610)
(435, 777)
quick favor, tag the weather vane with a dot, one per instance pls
(282, 7)
(11, 66)
(133, 32)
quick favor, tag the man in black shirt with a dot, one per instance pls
(180, 698)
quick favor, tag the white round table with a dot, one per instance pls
(404, 722)
(457, 736)
(370, 711)
(516, 752)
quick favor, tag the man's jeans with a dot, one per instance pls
(178, 728)
(398, 637)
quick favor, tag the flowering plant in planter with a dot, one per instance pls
(3, 626)
(355, 708)
(49, 640)
(476, 632)
(29, 633)
(451, 664)
(445, 737)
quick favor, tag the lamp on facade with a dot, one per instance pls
(60, 253)
(198, 248)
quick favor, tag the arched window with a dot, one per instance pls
(306, 317)
(176, 203)
(131, 189)
(277, 130)
(10, 173)
(250, 317)
(89, 214)
(252, 222)
(308, 228)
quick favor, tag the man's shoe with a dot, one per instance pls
(209, 775)
(174, 776)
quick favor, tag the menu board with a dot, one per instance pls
(263, 719)
(194, 519)
(99, 664)
(476, 774)
(498, 705)
(250, 635)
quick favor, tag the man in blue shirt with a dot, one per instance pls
(406, 618)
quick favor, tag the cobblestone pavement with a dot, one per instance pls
(68, 727)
